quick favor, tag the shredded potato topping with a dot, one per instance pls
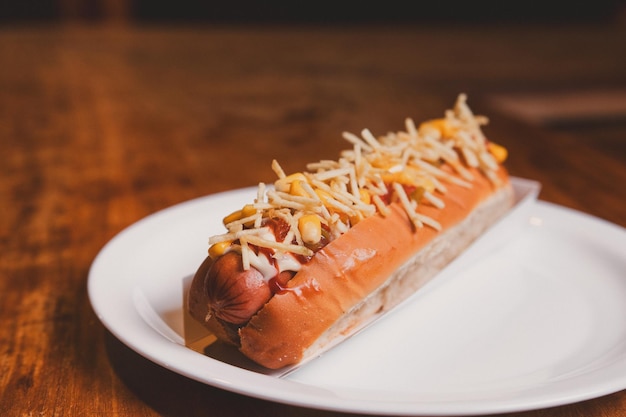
(403, 167)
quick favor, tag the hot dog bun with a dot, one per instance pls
(371, 257)
(371, 269)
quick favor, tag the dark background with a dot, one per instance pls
(313, 12)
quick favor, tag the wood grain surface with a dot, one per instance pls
(101, 126)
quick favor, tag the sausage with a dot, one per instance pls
(233, 294)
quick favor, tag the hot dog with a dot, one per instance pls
(323, 250)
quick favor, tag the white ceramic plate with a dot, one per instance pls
(532, 316)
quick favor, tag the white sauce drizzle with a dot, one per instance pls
(284, 260)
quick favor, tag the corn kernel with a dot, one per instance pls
(284, 184)
(297, 189)
(219, 248)
(439, 125)
(366, 197)
(402, 177)
(357, 217)
(310, 228)
(427, 184)
(248, 210)
(296, 176)
(499, 152)
(323, 195)
(234, 216)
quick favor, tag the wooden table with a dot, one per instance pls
(100, 127)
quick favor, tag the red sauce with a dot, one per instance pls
(269, 254)
(278, 283)
(279, 227)
(280, 288)
(276, 287)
